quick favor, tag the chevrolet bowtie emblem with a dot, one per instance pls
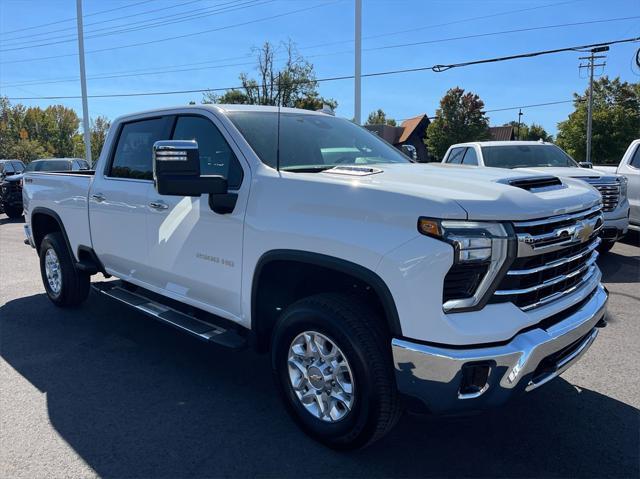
(583, 231)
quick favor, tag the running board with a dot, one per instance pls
(202, 329)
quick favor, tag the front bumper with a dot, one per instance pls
(434, 375)
(615, 227)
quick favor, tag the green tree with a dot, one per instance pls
(460, 118)
(293, 85)
(27, 150)
(534, 132)
(616, 121)
(99, 129)
(379, 117)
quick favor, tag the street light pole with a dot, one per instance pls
(83, 85)
(358, 64)
(519, 122)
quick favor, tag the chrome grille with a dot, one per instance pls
(609, 188)
(556, 256)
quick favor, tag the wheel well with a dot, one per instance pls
(41, 225)
(279, 283)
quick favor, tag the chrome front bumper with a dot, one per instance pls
(434, 375)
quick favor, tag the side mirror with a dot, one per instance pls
(176, 170)
(410, 151)
(585, 164)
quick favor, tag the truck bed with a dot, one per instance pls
(66, 194)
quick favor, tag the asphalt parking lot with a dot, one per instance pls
(103, 391)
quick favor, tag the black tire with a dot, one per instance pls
(74, 284)
(605, 246)
(13, 212)
(359, 333)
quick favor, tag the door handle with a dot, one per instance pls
(98, 197)
(158, 205)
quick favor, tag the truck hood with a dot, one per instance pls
(14, 178)
(564, 171)
(483, 193)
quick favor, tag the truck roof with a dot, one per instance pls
(503, 143)
(221, 108)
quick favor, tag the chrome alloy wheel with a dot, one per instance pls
(52, 269)
(320, 376)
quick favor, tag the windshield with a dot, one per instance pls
(525, 156)
(312, 142)
(49, 165)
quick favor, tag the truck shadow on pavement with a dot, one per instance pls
(135, 398)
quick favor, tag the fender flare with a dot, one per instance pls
(41, 210)
(337, 264)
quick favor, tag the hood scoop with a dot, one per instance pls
(536, 184)
(353, 170)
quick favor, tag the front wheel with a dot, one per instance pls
(64, 284)
(332, 363)
(13, 212)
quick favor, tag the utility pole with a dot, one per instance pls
(83, 85)
(519, 121)
(357, 114)
(591, 64)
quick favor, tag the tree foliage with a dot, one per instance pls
(460, 118)
(379, 117)
(34, 132)
(292, 85)
(534, 132)
(616, 121)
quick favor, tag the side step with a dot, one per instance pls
(186, 322)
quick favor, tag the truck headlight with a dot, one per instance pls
(481, 251)
(623, 187)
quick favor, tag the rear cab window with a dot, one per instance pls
(133, 155)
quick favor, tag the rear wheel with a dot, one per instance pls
(13, 211)
(65, 285)
(331, 360)
(605, 246)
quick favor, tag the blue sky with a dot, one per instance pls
(501, 85)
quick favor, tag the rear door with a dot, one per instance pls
(118, 199)
(195, 253)
(632, 171)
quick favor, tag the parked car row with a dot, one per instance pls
(546, 158)
(11, 174)
(375, 284)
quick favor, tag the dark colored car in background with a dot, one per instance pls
(10, 192)
(11, 181)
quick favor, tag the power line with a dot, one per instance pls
(503, 32)
(217, 11)
(186, 35)
(435, 68)
(156, 71)
(73, 29)
(74, 18)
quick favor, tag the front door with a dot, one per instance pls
(195, 254)
(118, 199)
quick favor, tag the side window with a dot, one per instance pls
(133, 157)
(216, 156)
(635, 161)
(455, 156)
(1, 168)
(470, 157)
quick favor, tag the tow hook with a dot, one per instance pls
(602, 323)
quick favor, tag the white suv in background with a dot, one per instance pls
(541, 157)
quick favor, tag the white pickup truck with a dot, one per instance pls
(375, 283)
(629, 167)
(547, 158)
